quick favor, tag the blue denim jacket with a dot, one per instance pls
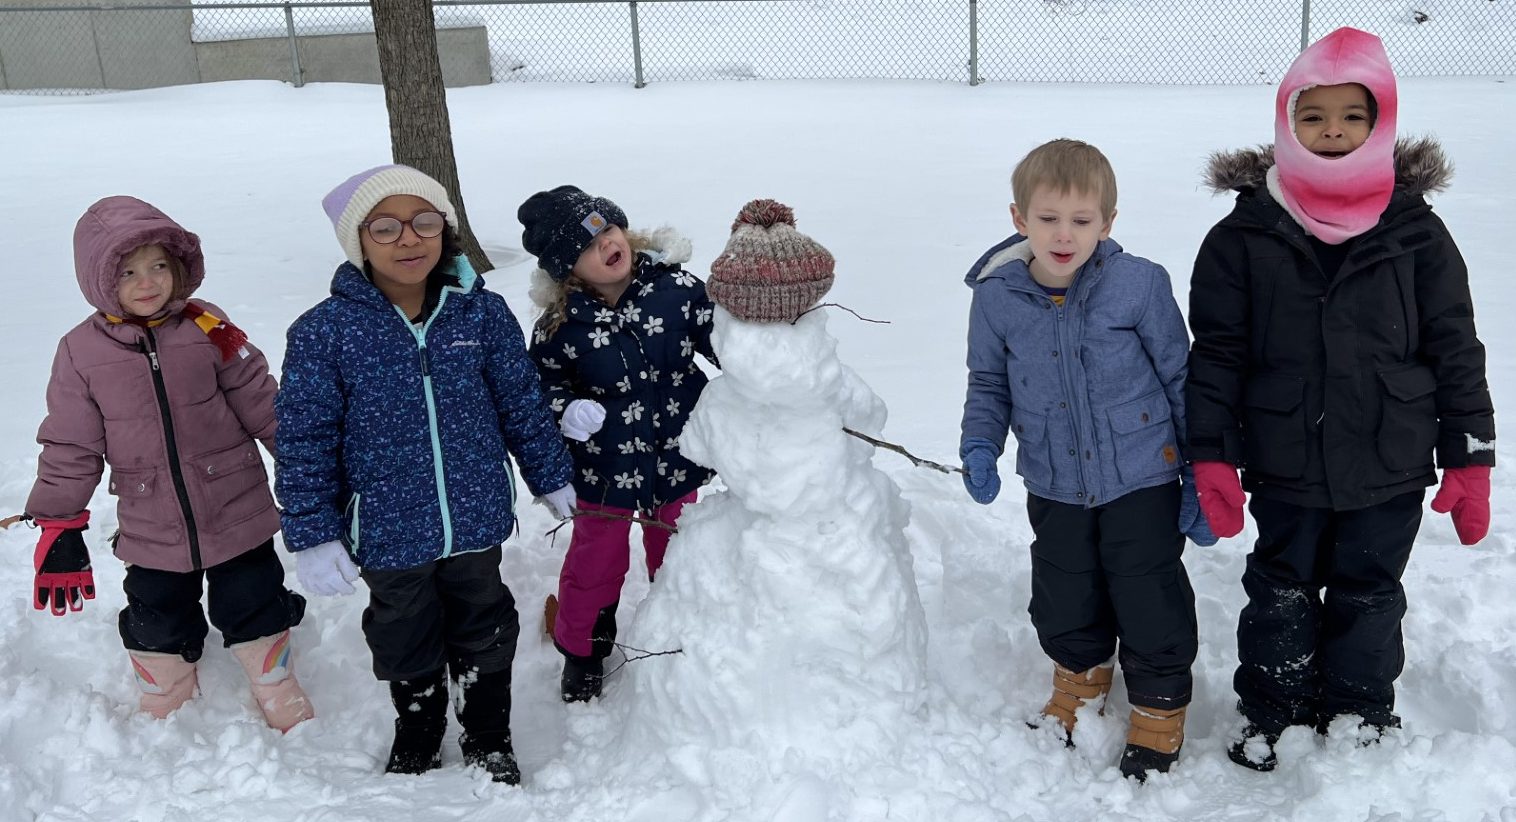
(1093, 389)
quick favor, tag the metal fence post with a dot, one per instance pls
(973, 42)
(296, 73)
(636, 48)
(1305, 24)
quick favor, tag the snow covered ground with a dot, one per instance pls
(906, 183)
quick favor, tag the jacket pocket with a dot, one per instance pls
(134, 492)
(236, 487)
(1408, 421)
(1274, 426)
(1033, 457)
(1142, 434)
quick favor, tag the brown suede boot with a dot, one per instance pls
(1072, 690)
(1153, 741)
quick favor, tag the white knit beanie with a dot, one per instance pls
(347, 204)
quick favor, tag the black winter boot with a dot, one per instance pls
(582, 676)
(421, 721)
(1255, 750)
(483, 704)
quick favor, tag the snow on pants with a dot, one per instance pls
(1304, 659)
(455, 610)
(247, 600)
(1112, 575)
(589, 586)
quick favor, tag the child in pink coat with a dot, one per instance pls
(172, 396)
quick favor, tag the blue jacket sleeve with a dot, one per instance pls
(530, 431)
(1167, 343)
(309, 412)
(987, 410)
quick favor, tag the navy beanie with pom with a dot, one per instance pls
(559, 225)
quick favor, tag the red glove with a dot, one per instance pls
(1221, 498)
(64, 578)
(1466, 492)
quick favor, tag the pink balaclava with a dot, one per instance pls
(1336, 199)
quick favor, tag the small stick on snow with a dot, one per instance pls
(915, 460)
(643, 521)
(629, 658)
(837, 305)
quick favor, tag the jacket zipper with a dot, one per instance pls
(424, 359)
(1074, 413)
(150, 348)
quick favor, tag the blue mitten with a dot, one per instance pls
(980, 476)
(1191, 523)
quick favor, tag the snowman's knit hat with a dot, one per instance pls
(769, 272)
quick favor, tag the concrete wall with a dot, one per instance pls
(145, 49)
(339, 58)
(49, 49)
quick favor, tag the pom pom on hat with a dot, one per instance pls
(347, 204)
(769, 272)
(559, 224)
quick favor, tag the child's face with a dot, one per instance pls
(147, 281)
(1063, 228)
(607, 260)
(1331, 121)
(411, 257)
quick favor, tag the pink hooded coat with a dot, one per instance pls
(177, 429)
(1336, 199)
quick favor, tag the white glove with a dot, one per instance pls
(581, 419)
(326, 570)
(562, 501)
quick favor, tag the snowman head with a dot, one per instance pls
(769, 272)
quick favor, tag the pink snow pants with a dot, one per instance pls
(598, 558)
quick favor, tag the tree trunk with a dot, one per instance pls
(420, 133)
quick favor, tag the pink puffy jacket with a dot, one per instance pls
(174, 418)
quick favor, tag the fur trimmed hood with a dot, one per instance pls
(664, 244)
(1421, 167)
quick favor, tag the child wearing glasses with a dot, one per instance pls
(405, 394)
(616, 344)
(172, 396)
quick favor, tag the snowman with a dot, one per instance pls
(790, 595)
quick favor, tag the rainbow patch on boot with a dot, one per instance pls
(276, 664)
(145, 681)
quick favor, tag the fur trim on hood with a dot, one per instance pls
(1421, 167)
(664, 244)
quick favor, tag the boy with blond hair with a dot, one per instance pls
(1079, 349)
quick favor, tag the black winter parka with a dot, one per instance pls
(1334, 389)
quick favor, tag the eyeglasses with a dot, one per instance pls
(386, 230)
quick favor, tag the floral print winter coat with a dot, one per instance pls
(638, 361)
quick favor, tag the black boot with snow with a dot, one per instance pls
(420, 722)
(582, 676)
(1255, 750)
(484, 710)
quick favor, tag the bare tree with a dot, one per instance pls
(420, 133)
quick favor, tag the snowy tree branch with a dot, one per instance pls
(915, 460)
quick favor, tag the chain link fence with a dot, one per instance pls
(49, 47)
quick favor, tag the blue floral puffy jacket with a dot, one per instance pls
(637, 360)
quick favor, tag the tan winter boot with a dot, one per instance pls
(1153, 741)
(271, 672)
(1072, 690)
(166, 681)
